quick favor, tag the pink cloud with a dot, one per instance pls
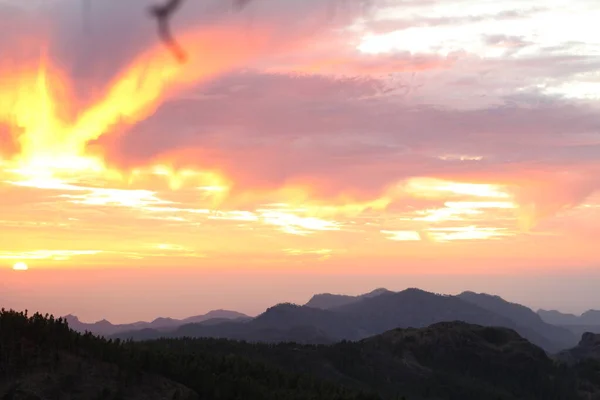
(327, 119)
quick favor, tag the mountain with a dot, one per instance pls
(557, 318)
(368, 315)
(445, 361)
(327, 301)
(456, 360)
(589, 321)
(416, 308)
(41, 358)
(589, 318)
(579, 330)
(528, 323)
(281, 323)
(588, 348)
(105, 328)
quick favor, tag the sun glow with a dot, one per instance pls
(76, 193)
(20, 266)
(435, 188)
(52, 130)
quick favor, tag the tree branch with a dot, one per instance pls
(163, 14)
(165, 11)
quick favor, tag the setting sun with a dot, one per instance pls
(20, 266)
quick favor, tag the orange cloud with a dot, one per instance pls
(540, 192)
(265, 194)
(156, 75)
(65, 128)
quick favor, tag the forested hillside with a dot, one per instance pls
(41, 358)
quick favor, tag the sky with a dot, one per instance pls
(304, 147)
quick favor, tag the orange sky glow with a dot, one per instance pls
(220, 170)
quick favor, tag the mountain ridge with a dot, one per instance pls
(329, 300)
(106, 328)
(590, 317)
(367, 315)
(529, 321)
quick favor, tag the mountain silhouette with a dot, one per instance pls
(590, 317)
(42, 359)
(281, 323)
(105, 328)
(589, 321)
(327, 301)
(368, 315)
(529, 323)
(557, 318)
(457, 360)
(448, 360)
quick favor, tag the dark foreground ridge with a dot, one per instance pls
(41, 358)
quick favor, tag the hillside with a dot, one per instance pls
(446, 361)
(455, 360)
(528, 323)
(41, 358)
(588, 348)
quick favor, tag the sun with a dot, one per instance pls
(20, 266)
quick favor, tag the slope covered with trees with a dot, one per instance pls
(41, 358)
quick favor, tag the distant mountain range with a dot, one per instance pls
(590, 317)
(589, 321)
(105, 328)
(329, 318)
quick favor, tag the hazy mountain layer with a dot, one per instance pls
(372, 314)
(106, 328)
(529, 324)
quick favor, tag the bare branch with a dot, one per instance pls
(163, 13)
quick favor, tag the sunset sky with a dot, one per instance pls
(445, 144)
